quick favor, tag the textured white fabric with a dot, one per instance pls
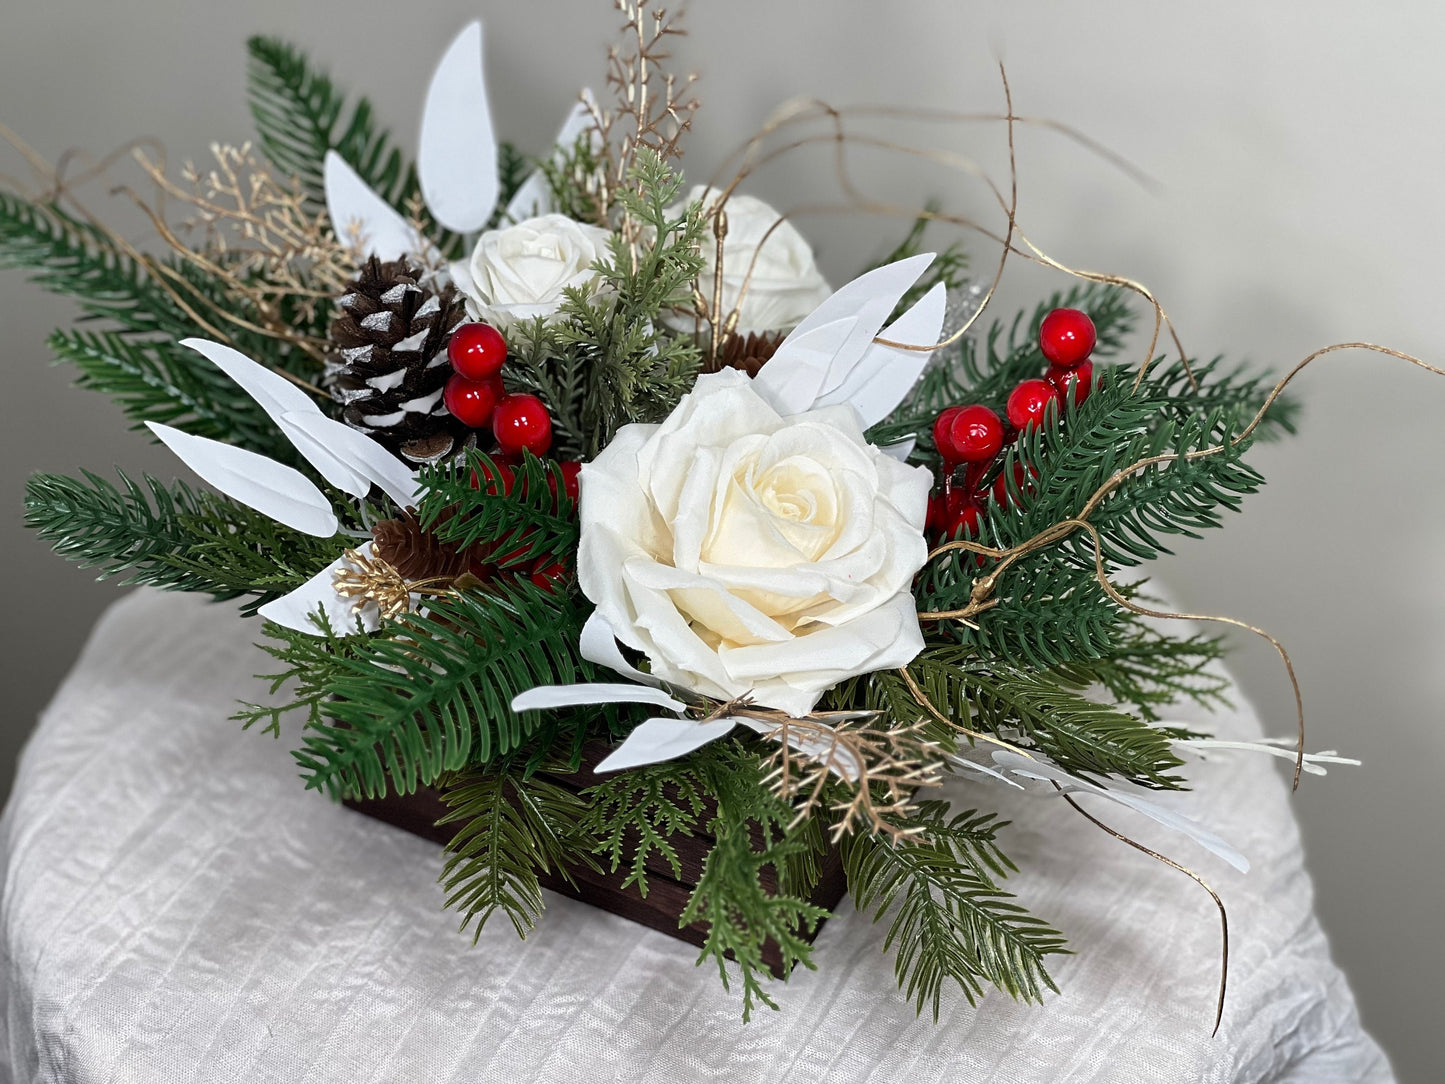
(177, 908)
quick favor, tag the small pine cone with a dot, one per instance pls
(417, 554)
(389, 360)
(749, 352)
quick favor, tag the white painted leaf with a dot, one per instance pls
(534, 196)
(657, 740)
(296, 610)
(902, 450)
(794, 386)
(547, 697)
(869, 300)
(360, 453)
(885, 375)
(279, 397)
(359, 215)
(1283, 748)
(271, 488)
(457, 156)
(1178, 822)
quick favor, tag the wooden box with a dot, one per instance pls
(666, 895)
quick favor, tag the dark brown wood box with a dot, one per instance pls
(666, 895)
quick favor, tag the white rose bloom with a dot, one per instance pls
(519, 272)
(744, 552)
(786, 284)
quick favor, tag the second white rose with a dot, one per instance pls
(522, 271)
(785, 283)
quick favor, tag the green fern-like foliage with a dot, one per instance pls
(742, 916)
(432, 693)
(512, 828)
(172, 537)
(633, 815)
(950, 920)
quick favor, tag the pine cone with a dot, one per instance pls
(389, 365)
(417, 554)
(749, 352)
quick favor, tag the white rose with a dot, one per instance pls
(521, 271)
(744, 552)
(786, 284)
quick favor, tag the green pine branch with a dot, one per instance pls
(432, 693)
(172, 537)
(521, 520)
(950, 920)
(158, 380)
(1149, 671)
(300, 115)
(512, 828)
(985, 371)
(65, 256)
(1031, 709)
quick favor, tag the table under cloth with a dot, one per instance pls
(176, 907)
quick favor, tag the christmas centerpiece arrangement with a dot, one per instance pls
(591, 529)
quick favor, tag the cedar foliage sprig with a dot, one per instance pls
(637, 369)
(633, 815)
(751, 830)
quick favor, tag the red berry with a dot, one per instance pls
(942, 434)
(522, 422)
(547, 573)
(976, 434)
(499, 479)
(1000, 487)
(472, 402)
(477, 351)
(962, 516)
(950, 512)
(570, 470)
(1080, 379)
(1028, 401)
(1066, 337)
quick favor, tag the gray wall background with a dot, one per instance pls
(1299, 156)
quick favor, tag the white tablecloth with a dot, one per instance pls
(177, 908)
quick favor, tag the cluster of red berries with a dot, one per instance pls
(475, 396)
(491, 559)
(972, 437)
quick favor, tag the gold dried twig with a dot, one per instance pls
(257, 235)
(653, 107)
(883, 768)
